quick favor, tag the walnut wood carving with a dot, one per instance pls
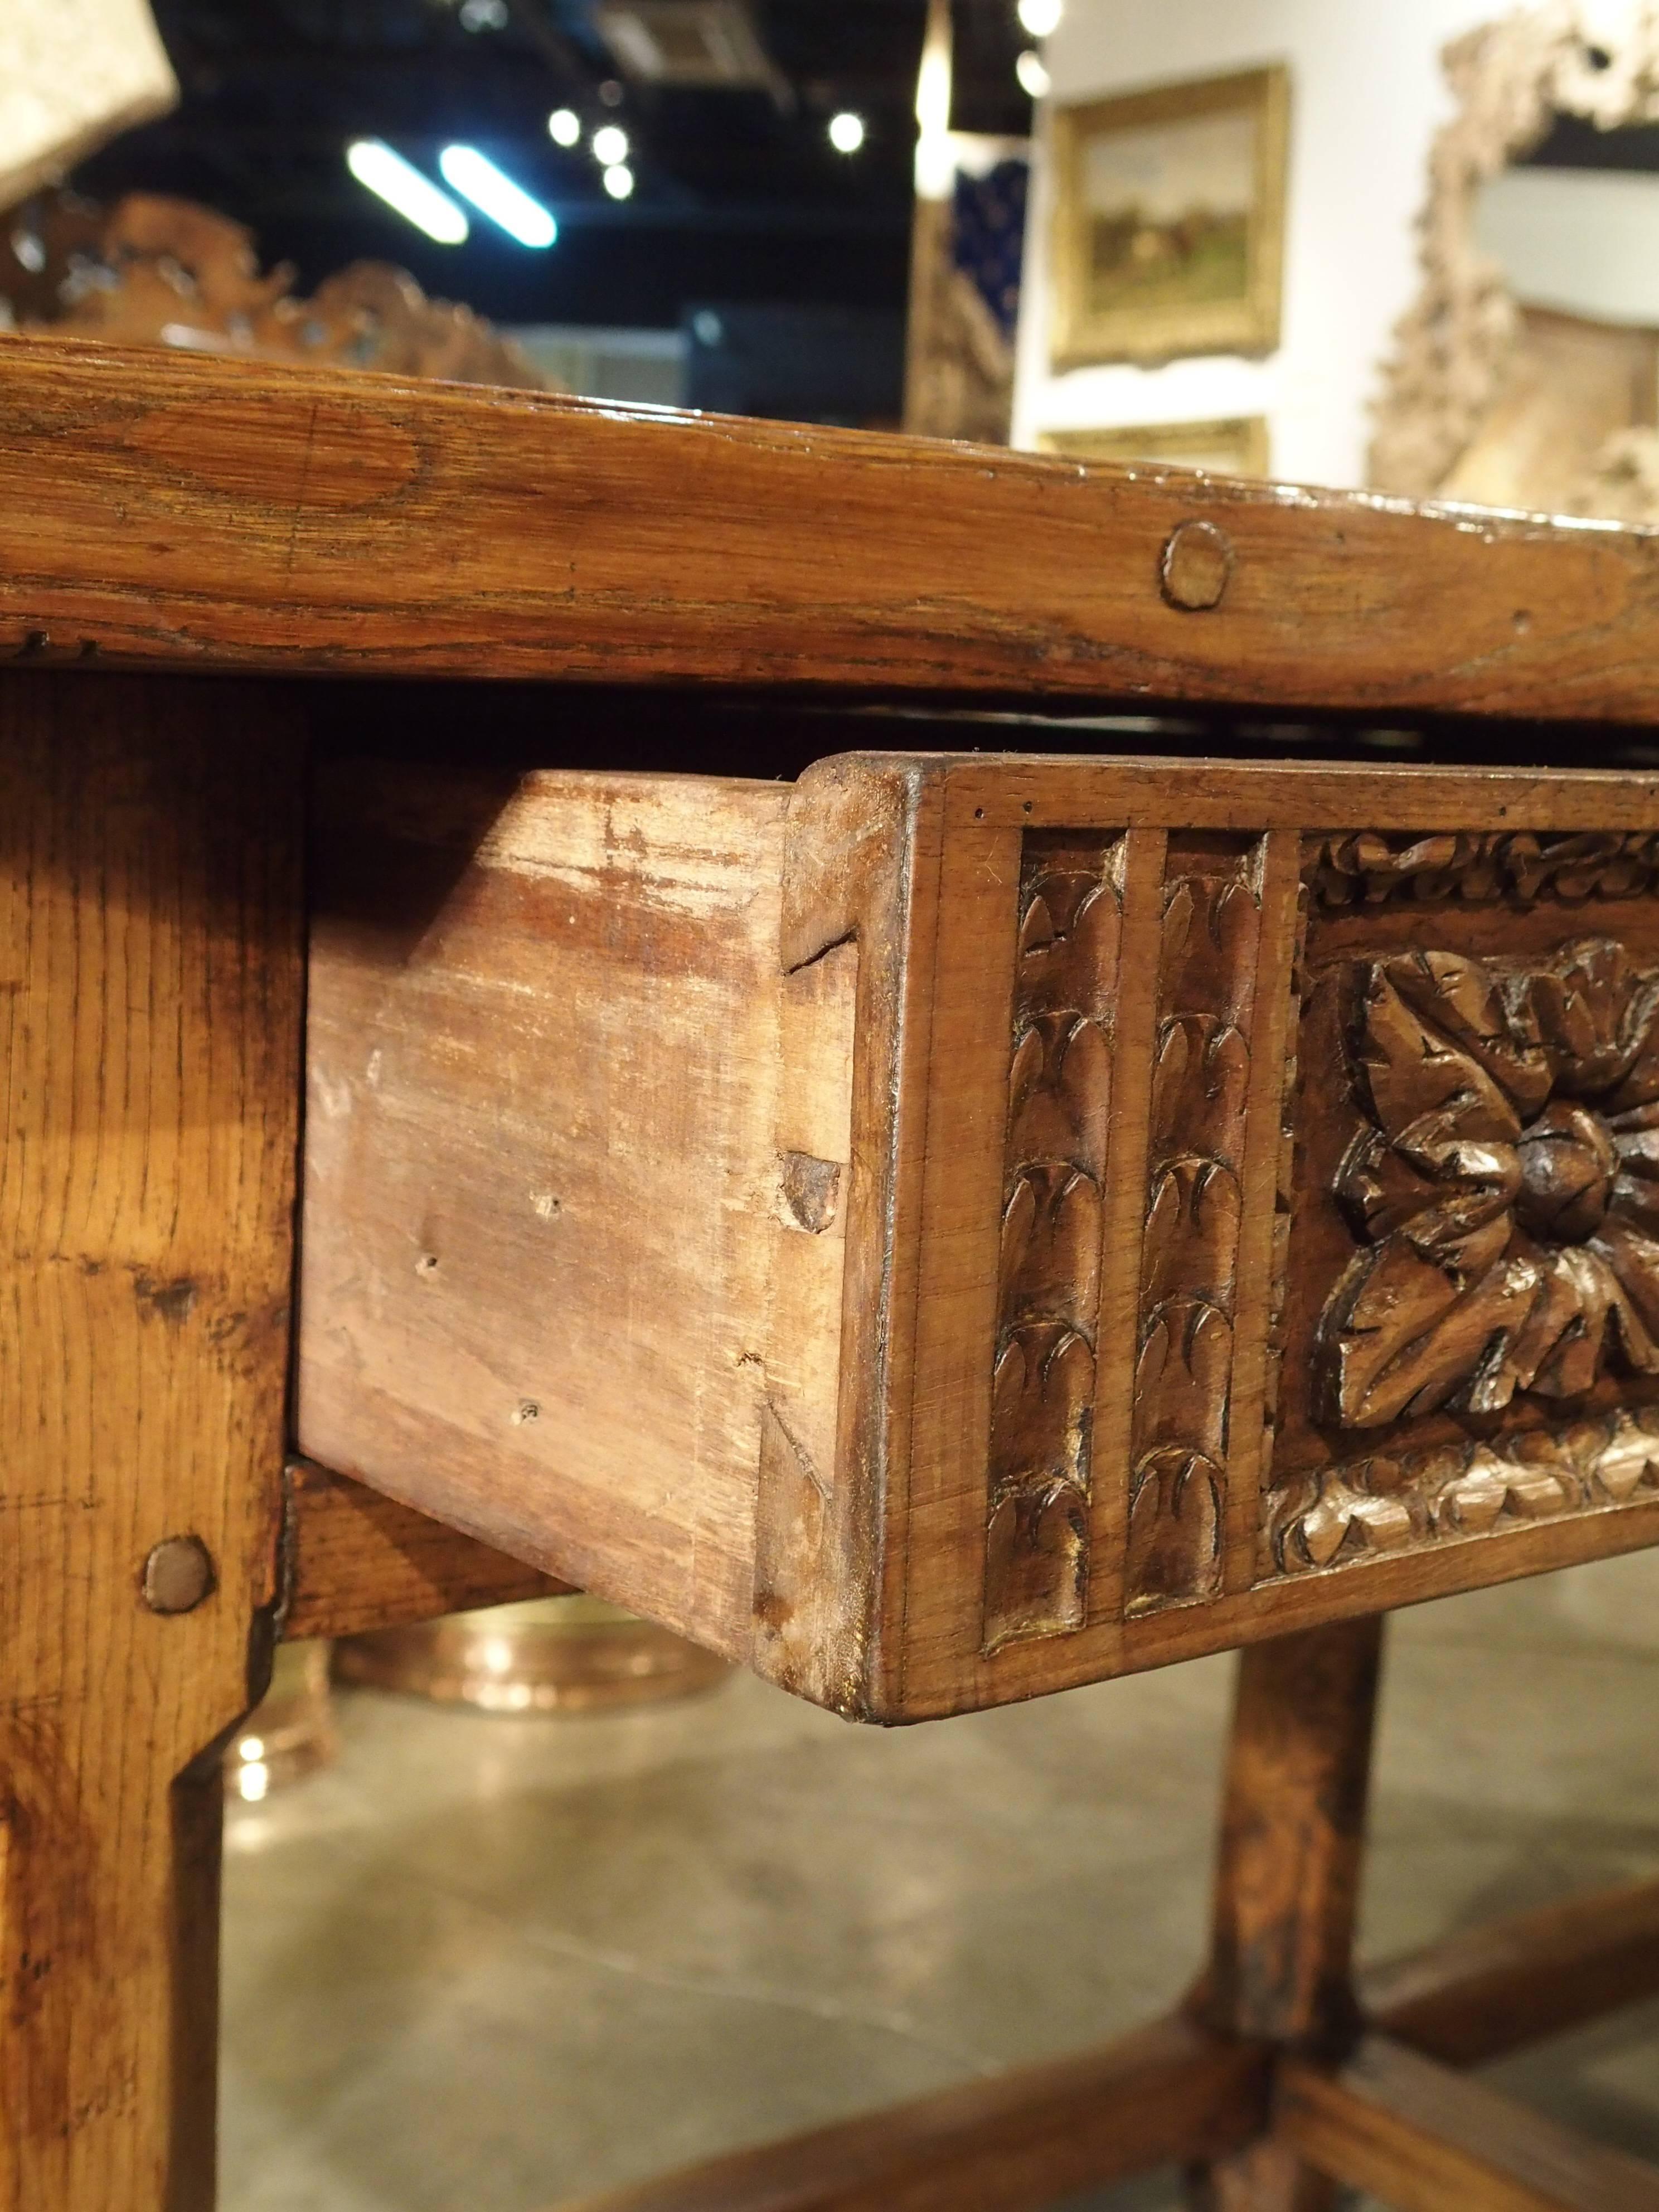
(1507, 1189)
(1501, 1189)
(1392, 1502)
(1199, 1083)
(1474, 868)
(1060, 1101)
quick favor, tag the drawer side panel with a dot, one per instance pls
(542, 1181)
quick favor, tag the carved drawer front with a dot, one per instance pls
(961, 1228)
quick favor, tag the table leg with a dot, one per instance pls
(151, 981)
(1293, 1841)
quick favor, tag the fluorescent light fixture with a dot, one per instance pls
(401, 185)
(610, 145)
(846, 131)
(564, 127)
(475, 177)
(1041, 17)
(1033, 74)
(619, 181)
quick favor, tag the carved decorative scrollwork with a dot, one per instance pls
(1507, 1187)
(1509, 79)
(1367, 868)
(1036, 1577)
(1392, 1502)
(153, 271)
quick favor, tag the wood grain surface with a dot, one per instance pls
(354, 1561)
(543, 1177)
(231, 515)
(1287, 1880)
(151, 956)
(1489, 1991)
(1423, 2140)
(1016, 2144)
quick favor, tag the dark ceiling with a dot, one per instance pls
(740, 197)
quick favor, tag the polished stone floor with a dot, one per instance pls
(484, 1964)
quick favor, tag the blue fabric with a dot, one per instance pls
(990, 236)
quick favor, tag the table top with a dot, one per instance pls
(162, 510)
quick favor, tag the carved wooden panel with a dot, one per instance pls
(1200, 1076)
(1036, 1577)
(1325, 1165)
(1490, 1320)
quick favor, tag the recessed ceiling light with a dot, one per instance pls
(610, 145)
(494, 193)
(1039, 17)
(685, 42)
(564, 127)
(619, 181)
(1033, 74)
(846, 131)
(401, 185)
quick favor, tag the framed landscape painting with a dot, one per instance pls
(1239, 447)
(1169, 221)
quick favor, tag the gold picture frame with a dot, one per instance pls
(1235, 446)
(1169, 227)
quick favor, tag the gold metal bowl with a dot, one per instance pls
(558, 1654)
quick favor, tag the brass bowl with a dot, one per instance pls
(291, 1733)
(556, 1654)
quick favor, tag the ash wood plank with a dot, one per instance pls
(1519, 1980)
(356, 1560)
(1024, 2140)
(151, 959)
(1287, 1885)
(234, 514)
(1424, 2140)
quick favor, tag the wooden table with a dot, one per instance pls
(774, 1116)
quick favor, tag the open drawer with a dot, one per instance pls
(955, 1228)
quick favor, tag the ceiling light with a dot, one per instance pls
(483, 14)
(846, 131)
(1033, 73)
(610, 145)
(564, 127)
(1039, 17)
(936, 157)
(475, 177)
(401, 185)
(619, 181)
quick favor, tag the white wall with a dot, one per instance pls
(1367, 95)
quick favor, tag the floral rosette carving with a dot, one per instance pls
(1507, 1189)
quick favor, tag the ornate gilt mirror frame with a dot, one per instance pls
(1458, 340)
